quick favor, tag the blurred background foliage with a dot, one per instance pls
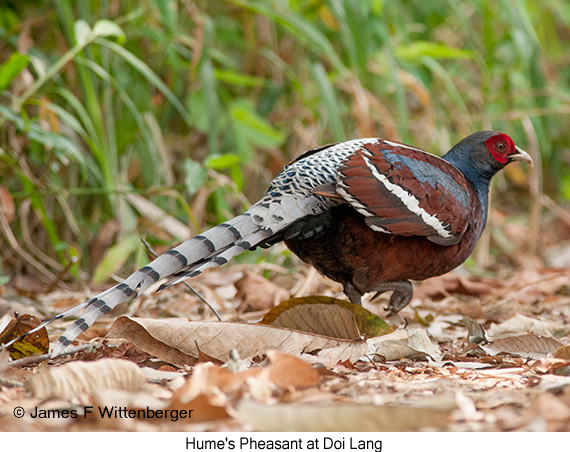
(120, 119)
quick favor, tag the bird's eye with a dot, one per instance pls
(501, 146)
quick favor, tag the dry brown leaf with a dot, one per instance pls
(327, 320)
(218, 338)
(526, 345)
(287, 371)
(205, 358)
(258, 293)
(531, 284)
(341, 417)
(401, 344)
(555, 366)
(211, 379)
(563, 353)
(327, 316)
(125, 328)
(209, 390)
(81, 378)
(33, 344)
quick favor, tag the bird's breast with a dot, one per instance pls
(348, 250)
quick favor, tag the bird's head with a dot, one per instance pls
(483, 154)
(503, 149)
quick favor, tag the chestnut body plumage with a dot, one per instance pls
(349, 252)
(369, 213)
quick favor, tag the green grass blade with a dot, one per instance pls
(148, 73)
(330, 101)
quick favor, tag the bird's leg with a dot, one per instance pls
(402, 292)
(353, 294)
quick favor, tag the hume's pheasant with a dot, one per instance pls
(369, 213)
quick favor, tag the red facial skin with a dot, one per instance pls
(501, 146)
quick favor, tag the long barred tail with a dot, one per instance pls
(289, 200)
(210, 249)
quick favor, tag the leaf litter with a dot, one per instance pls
(316, 363)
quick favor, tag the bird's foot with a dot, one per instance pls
(402, 292)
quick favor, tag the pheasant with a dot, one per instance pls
(369, 213)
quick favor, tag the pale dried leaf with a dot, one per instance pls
(341, 417)
(211, 388)
(125, 328)
(400, 345)
(218, 338)
(211, 379)
(521, 324)
(80, 378)
(326, 320)
(526, 345)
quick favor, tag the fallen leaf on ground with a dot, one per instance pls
(537, 283)
(521, 324)
(212, 389)
(203, 408)
(327, 316)
(563, 353)
(77, 379)
(327, 320)
(209, 390)
(33, 344)
(125, 328)
(401, 344)
(218, 338)
(287, 371)
(526, 345)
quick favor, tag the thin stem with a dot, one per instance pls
(194, 291)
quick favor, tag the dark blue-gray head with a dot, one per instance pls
(481, 155)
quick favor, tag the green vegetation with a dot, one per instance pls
(196, 105)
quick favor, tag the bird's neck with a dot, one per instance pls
(481, 180)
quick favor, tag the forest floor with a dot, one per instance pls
(470, 353)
